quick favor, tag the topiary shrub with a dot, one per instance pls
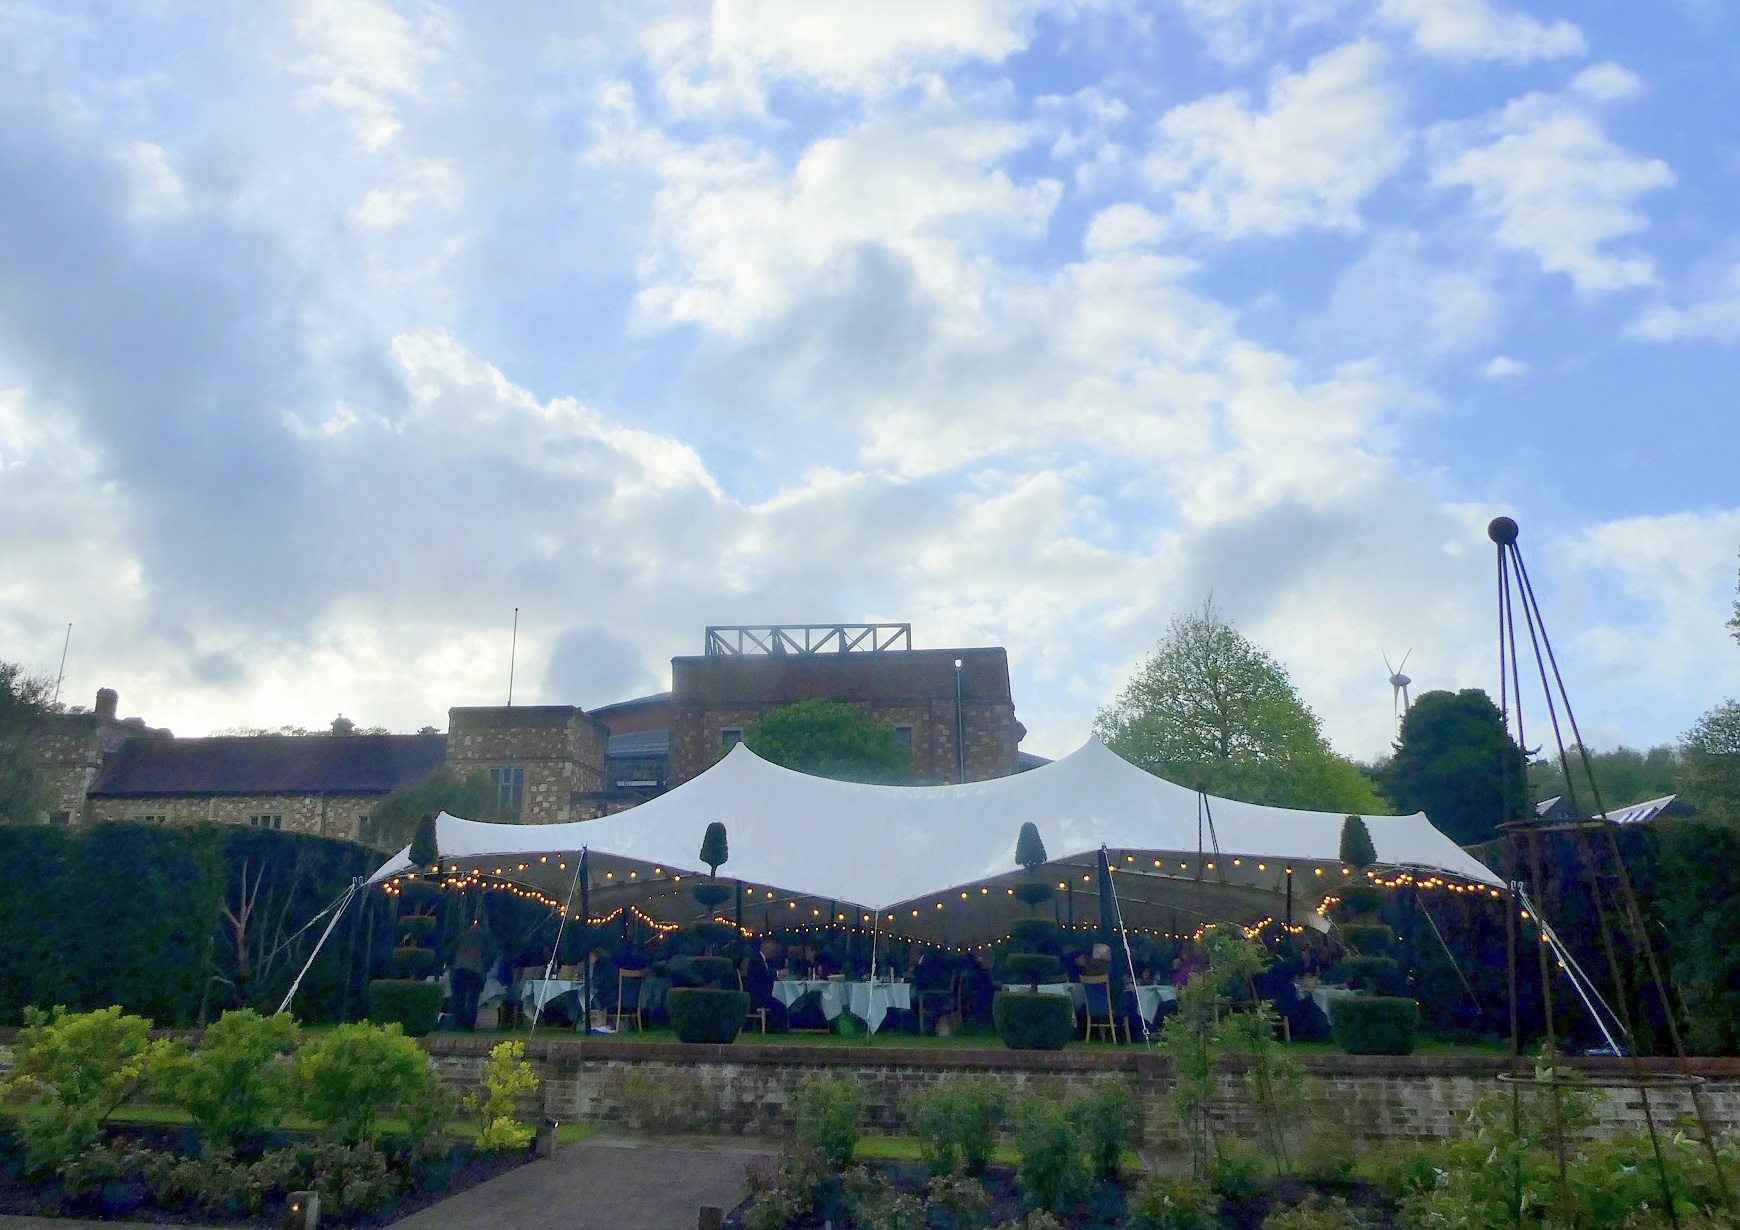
(1032, 968)
(1033, 1022)
(410, 1003)
(1375, 1025)
(1371, 975)
(1358, 899)
(1369, 939)
(720, 973)
(711, 894)
(1033, 894)
(1034, 935)
(703, 1015)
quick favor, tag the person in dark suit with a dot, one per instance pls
(759, 975)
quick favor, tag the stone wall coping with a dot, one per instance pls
(567, 1048)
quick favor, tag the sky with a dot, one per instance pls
(332, 331)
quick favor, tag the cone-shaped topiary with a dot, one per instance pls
(1029, 849)
(712, 896)
(1357, 850)
(715, 849)
(424, 852)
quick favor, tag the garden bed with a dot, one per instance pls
(156, 1174)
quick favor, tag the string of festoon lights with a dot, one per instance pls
(456, 879)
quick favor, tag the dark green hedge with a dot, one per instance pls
(1375, 1024)
(1033, 1022)
(413, 1003)
(133, 915)
(701, 1015)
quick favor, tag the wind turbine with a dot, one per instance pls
(1398, 688)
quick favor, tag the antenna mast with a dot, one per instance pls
(65, 645)
(513, 653)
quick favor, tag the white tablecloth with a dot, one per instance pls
(1072, 990)
(1148, 999)
(870, 1002)
(1325, 996)
(536, 993)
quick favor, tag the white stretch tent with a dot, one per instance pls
(818, 843)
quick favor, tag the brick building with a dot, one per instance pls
(951, 707)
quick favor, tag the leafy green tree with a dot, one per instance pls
(24, 702)
(829, 739)
(396, 816)
(1457, 763)
(1211, 708)
(1711, 754)
(1624, 776)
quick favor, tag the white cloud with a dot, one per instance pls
(419, 180)
(1716, 318)
(1237, 31)
(1474, 30)
(1675, 573)
(157, 189)
(364, 57)
(1503, 367)
(1328, 136)
(724, 58)
(736, 238)
(1403, 301)
(1548, 181)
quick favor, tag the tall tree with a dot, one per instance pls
(1711, 752)
(1624, 775)
(1211, 708)
(24, 702)
(1457, 763)
(829, 739)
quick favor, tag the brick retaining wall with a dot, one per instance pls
(745, 1089)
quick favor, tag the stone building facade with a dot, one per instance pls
(547, 763)
(952, 707)
(537, 756)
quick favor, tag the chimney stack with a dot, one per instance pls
(107, 699)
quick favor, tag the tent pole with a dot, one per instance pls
(337, 914)
(1129, 960)
(875, 930)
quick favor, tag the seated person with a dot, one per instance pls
(759, 970)
(933, 988)
(977, 991)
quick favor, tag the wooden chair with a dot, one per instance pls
(1105, 1020)
(628, 982)
(757, 1016)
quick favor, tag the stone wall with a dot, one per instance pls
(70, 748)
(746, 1089)
(323, 815)
(560, 749)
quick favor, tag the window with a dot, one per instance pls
(60, 817)
(510, 788)
(730, 737)
(151, 818)
(365, 828)
(903, 736)
(268, 820)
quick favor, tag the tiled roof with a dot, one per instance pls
(269, 764)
